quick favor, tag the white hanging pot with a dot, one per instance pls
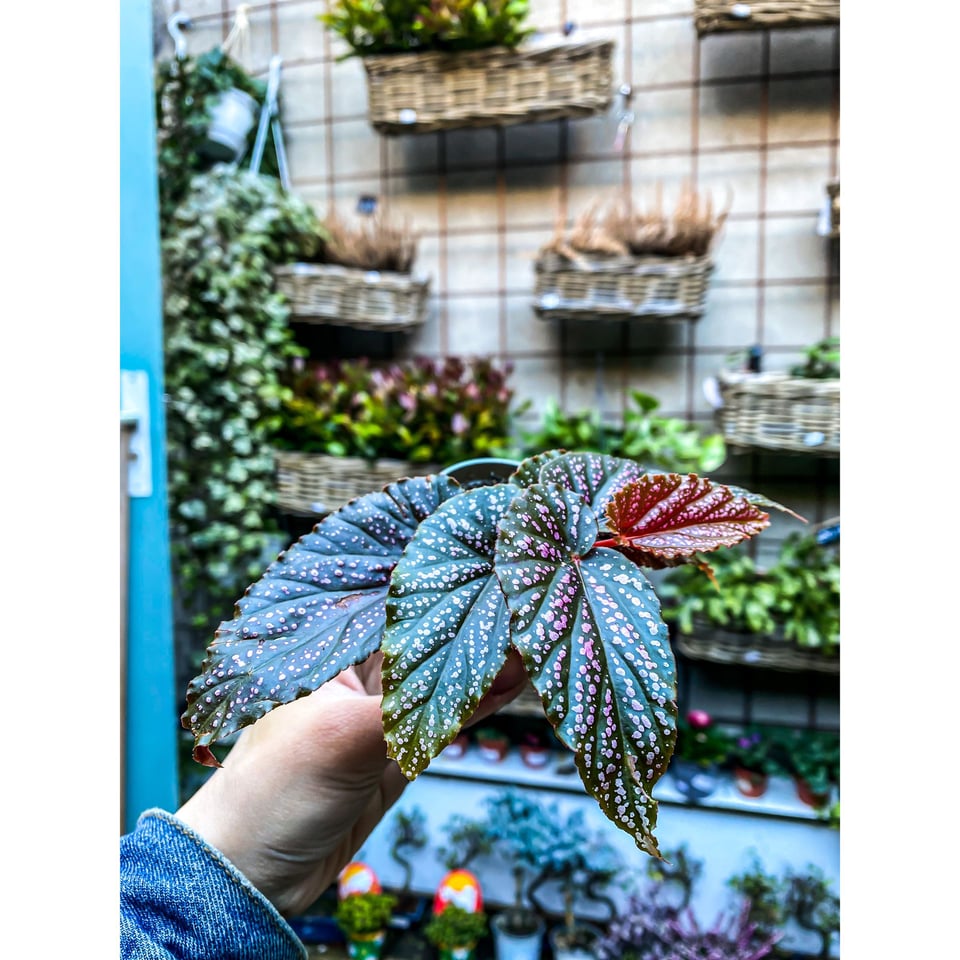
(231, 120)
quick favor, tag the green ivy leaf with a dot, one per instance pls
(587, 623)
(447, 627)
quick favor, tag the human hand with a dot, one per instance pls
(304, 786)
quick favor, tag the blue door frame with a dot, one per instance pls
(152, 706)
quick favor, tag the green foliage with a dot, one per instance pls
(814, 756)
(226, 340)
(667, 443)
(421, 410)
(185, 91)
(456, 927)
(360, 913)
(758, 749)
(797, 599)
(810, 900)
(765, 893)
(822, 361)
(701, 741)
(466, 839)
(395, 26)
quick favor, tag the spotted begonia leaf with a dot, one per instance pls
(596, 477)
(318, 608)
(587, 623)
(671, 516)
(447, 627)
(759, 500)
(528, 471)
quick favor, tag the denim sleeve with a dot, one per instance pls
(181, 898)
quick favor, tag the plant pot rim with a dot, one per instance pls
(537, 923)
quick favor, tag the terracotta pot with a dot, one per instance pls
(534, 756)
(494, 750)
(456, 748)
(751, 783)
(808, 796)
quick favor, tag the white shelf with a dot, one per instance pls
(780, 800)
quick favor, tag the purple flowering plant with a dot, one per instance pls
(757, 749)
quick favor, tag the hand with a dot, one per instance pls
(304, 786)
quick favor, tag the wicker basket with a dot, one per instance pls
(777, 412)
(316, 483)
(420, 92)
(618, 288)
(347, 297)
(716, 16)
(752, 650)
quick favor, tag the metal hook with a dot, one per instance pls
(175, 27)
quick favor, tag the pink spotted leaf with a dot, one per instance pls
(587, 623)
(317, 609)
(447, 629)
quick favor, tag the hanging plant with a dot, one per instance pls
(226, 341)
(446, 581)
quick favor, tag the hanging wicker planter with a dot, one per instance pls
(775, 411)
(602, 287)
(497, 86)
(344, 296)
(310, 484)
(716, 16)
(717, 645)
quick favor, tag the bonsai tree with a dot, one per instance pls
(814, 906)
(764, 893)
(466, 840)
(678, 868)
(361, 914)
(456, 929)
(409, 832)
(520, 828)
(446, 581)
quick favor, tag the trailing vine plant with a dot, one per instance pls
(445, 581)
(226, 341)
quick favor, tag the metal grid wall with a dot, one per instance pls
(750, 115)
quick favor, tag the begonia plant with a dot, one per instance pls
(446, 581)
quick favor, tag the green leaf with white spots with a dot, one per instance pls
(318, 608)
(528, 470)
(596, 477)
(587, 623)
(447, 627)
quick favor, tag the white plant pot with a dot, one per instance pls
(509, 946)
(231, 119)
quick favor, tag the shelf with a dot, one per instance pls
(780, 800)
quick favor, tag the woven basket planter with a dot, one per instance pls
(716, 645)
(421, 92)
(716, 16)
(620, 288)
(316, 483)
(777, 412)
(344, 296)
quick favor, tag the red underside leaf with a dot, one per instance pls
(671, 516)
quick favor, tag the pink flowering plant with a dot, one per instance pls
(420, 410)
(447, 580)
(701, 741)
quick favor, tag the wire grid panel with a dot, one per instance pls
(777, 412)
(329, 293)
(616, 288)
(422, 92)
(715, 16)
(311, 484)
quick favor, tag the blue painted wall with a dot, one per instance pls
(152, 707)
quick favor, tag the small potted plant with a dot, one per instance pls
(765, 894)
(465, 63)
(811, 902)
(494, 744)
(455, 932)
(466, 839)
(457, 747)
(534, 752)
(364, 919)
(702, 747)
(814, 763)
(754, 758)
(408, 833)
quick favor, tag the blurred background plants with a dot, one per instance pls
(395, 26)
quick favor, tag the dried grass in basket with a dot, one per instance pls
(364, 280)
(619, 262)
(309, 484)
(716, 645)
(715, 16)
(775, 411)
(497, 86)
